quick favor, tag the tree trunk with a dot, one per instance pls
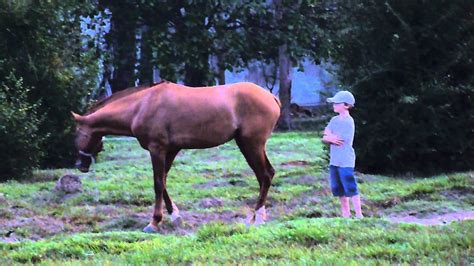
(121, 42)
(124, 59)
(221, 69)
(284, 68)
(196, 73)
(145, 71)
(284, 64)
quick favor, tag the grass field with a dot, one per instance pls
(215, 190)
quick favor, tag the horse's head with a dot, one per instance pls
(88, 143)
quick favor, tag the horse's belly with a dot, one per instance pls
(200, 140)
(197, 133)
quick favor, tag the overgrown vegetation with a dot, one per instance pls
(408, 63)
(19, 125)
(215, 189)
(41, 46)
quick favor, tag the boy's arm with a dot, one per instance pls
(331, 138)
(327, 132)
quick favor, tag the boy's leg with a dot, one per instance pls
(356, 204)
(338, 190)
(345, 209)
(350, 188)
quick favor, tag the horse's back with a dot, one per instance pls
(249, 101)
(237, 95)
(218, 111)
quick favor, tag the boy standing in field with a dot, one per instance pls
(339, 133)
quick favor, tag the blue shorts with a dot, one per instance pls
(343, 182)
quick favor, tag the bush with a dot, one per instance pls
(410, 67)
(42, 43)
(19, 122)
(427, 132)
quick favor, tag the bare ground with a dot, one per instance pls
(430, 219)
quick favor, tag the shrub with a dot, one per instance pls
(42, 43)
(427, 132)
(19, 122)
(409, 64)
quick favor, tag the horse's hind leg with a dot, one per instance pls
(254, 153)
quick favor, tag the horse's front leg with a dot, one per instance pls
(158, 159)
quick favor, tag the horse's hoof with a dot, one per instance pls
(176, 220)
(258, 221)
(260, 216)
(249, 221)
(151, 229)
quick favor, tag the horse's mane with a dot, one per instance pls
(119, 95)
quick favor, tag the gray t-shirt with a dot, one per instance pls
(344, 155)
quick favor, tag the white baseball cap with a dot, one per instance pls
(342, 97)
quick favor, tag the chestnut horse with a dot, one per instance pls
(168, 117)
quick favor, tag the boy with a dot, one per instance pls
(339, 133)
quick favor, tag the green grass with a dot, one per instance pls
(437, 194)
(102, 224)
(302, 241)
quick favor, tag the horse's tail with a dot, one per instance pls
(279, 111)
(277, 100)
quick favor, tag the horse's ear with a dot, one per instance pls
(78, 118)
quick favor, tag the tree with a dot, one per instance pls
(19, 122)
(294, 30)
(409, 64)
(121, 43)
(41, 45)
(183, 35)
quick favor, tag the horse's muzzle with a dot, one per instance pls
(81, 167)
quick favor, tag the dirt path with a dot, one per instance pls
(433, 219)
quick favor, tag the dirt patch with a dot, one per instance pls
(211, 184)
(433, 219)
(302, 180)
(190, 221)
(221, 183)
(33, 228)
(211, 202)
(296, 163)
(388, 203)
(18, 223)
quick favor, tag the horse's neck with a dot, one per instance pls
(109, 122)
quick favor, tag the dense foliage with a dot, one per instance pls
(41, 44)
(180, 37)
(19, 122)
(410, 66)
